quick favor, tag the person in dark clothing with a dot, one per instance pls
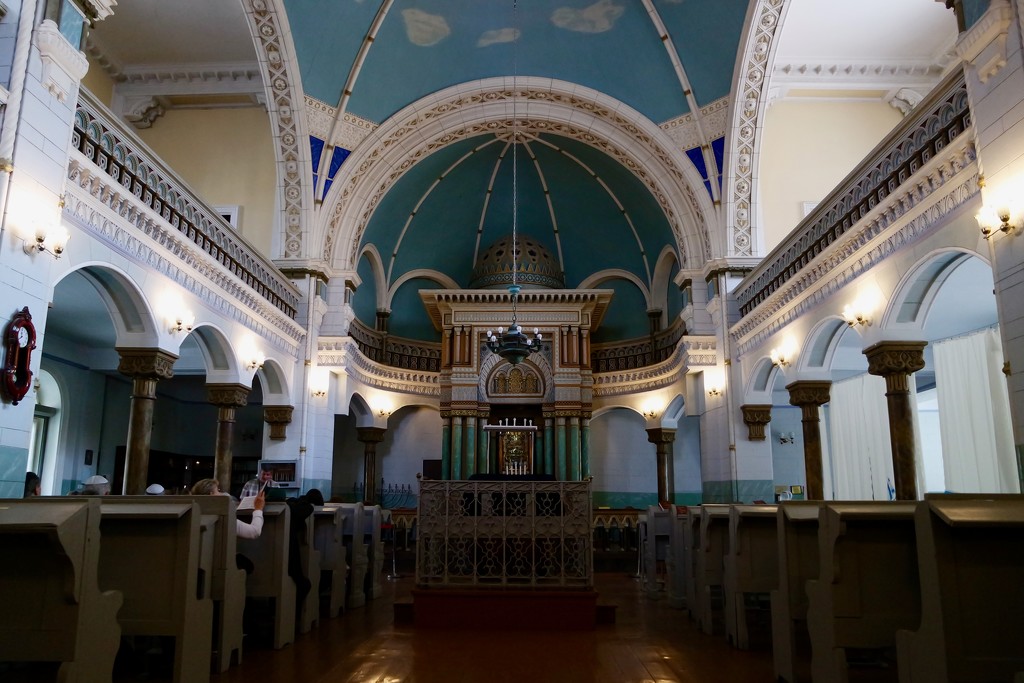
(301, 510)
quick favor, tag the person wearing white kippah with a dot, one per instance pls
(155, 490)
(96, 485)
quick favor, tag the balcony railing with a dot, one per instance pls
(636, 353)
(118, 153)
(504, 533)
(395, 351)
(933, 124)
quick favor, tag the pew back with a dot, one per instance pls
(797, 537)
(751, 564)
(269, 578)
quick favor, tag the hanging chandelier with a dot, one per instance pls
(513, 344)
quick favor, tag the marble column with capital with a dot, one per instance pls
(145, 367)
(662, 440)
(370, 437)
(809, 396)
(227, 397)
(896, 361)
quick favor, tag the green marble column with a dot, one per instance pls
(469, 469)
(574, 449)
(585, 448)
(560, 466)
(457, 447)
(446, 446)
(549, 446)
(482, 455)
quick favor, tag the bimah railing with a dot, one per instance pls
(505, 534)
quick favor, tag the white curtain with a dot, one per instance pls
(974, 415)
(860, 448)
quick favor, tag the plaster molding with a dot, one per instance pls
(63, 65)
(983, 46)
(119, 220)
(103, 8)
(343, 352)
(867, 74)
(691, 352)
(683, 129)
(351, 130)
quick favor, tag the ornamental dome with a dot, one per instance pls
(536, 265)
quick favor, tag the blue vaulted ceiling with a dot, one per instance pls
(422, 46)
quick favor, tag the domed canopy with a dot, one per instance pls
(534, 264)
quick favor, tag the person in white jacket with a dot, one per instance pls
(211, 487)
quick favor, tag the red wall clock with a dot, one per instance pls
(19, 341)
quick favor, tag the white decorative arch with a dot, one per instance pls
(427, 274)
(379, 281)
(538, 361)
(219, 359)
(274, 382)
(533, 105)
(662, 279)
(922, 281)
(134, 321)
(597, 279)
(822, 341)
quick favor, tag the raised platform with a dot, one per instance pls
(503, 609)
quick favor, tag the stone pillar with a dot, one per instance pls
(470, 467)
(662, 440)
(457, 447)
(560, 464)
(585, 447)
(810, 396)
(278, 417)
(483, 441)
(575, 466)
(446, 446)
(226, 397)
(370, 436)
(756, 416)
(146, 367)
(895, 361)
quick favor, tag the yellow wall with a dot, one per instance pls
(227, 157)
(807, 148)
(98, 83)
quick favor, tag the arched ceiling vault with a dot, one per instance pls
(539, 106)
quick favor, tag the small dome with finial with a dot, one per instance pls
(537, 267)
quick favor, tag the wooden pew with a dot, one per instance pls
(372, 521)
(655, 545)
(677, 557)
(751, 565)
(714, 537)
(867, 585)
(309, 615)
(355, 551)
(971, 566)
(691, 539)
(151, 553)
(797, 536)
(269, 579)
(51, 606)
(327, 538)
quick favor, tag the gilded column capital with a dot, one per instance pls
(896, 361)
(228, 395)
(756, 416)
(146, 363)
(809, 393)
(661, 436)
(278, 417)
(370, 434)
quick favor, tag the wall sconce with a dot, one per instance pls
(182, 322)
(319, 381)
(714, 381)
(52, 239)
(788, 437)
(714, 391)
(318, 393)
(1000, 219)
(256, 360)
(855, 315)
(650, 412)
(782, 356)
(383, 412)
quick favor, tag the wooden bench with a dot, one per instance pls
(327, 538)
(309, 556)
(691, 539)
(51, 606)
(714, 537)
(269, 578)
(867, 585)
(677, 557)
(751, 565)
(151, 553)
(355, 551)
(797, 554)
(655, 546)
(372, 520)
(971, 566)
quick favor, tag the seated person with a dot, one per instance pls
(96, 485)
(257, 484)
(211, 487)
(33, 487)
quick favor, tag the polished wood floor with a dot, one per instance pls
(649, 643)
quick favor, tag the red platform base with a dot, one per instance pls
(503, 608)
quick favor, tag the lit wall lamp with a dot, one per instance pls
(318, 393)
(650, 412)
(782, 356)
(1000, 218)
(52, 239)
(714, 381)
(855, 315)
(319, 381)
(183, 321)
(256, 360)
